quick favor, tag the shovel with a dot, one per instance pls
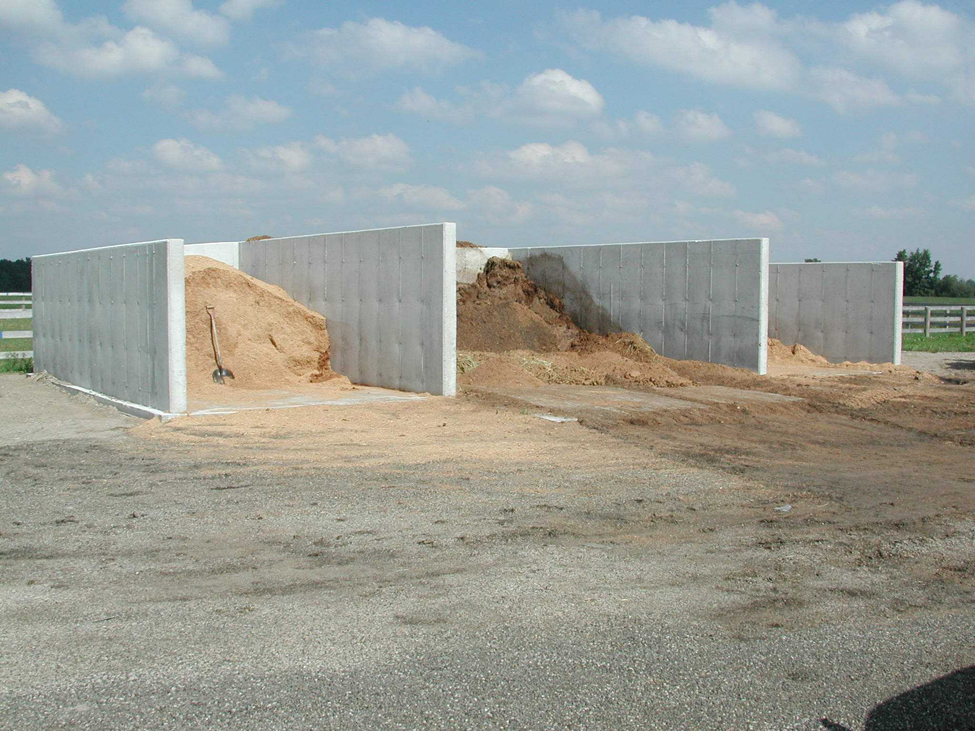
(221, 372)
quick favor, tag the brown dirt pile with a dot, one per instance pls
(512, 332)
(267, 339)
(467, 245)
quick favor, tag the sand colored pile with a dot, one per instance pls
(267, 339)
(779, 352)
(511, 332)
(461, 244)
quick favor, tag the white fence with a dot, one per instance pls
(21, 311)
(933, 319)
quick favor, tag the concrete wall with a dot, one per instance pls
(841, 311)
(697, 300)
(389, 296)
(226, 251)
(113, 320)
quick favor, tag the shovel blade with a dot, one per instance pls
(220, 374)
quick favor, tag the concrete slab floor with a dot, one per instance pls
(235, 401)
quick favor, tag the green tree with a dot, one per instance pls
(15, 275)
(921, 274)
(952, 286)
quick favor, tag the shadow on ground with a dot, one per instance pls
(945, 704)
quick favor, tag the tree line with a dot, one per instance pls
(15, 275)
(922, 277)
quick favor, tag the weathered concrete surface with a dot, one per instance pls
(841, 311)
(389, 296)
(694, 300)
(113, 320)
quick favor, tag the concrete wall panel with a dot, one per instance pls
(226, 251)
(842, 311)
(389, 296)
(112, 320)
(706, 300)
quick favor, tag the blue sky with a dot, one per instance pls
(842, 131)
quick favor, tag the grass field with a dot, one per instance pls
(5, 306)
(935, 301)
(17, 365)
(16, 344)
(939, 343)
(17, 323)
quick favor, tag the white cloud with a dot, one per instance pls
(497, 207)
(243, 10)
(167, 96)
(547, 98)
(812, 187)
(417, 101)
(375, 152)
(240, 113)
(917, 98)
(698, 179)
(881, 213)
(139, 51)
(379, 44)
(720, 54)
(846, 91)
(766, 221)
(789, 156)
(25, 182)
(965, 204)
(770, 124)
(20, 111)
(182, 154)
(875, 181)
(426, 197)
(917, 40)
(693, 125)
(290, 158)
(180, 18)
(553, 96)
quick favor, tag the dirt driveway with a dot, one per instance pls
(765, 563)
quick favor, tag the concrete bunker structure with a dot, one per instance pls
(111, 321)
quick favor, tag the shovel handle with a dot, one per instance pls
(213, 337)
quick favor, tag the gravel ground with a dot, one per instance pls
(947, 365)
(147, 583)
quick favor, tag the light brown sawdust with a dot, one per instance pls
(779, 352)
(267, 340)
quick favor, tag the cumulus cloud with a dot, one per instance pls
(184, 155)
(426, 197)
(167, 96)
(789, 156)
(874, 181)
(693, 125)
(375, 152)
(180, 18)
(28, 183)
(379, 44)
(497, 207)
(719, 54)
(21, 111)
(419, 102)
(93, 47)
(551, 97)
(290, 158)
(770, 124)
(846, 91)
(243, 10)
(965, 204)
(760, 222)
(882, 213)
(240, 113)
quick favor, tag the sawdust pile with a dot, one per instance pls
(511, 332)
(267, 339)
(779, 352)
